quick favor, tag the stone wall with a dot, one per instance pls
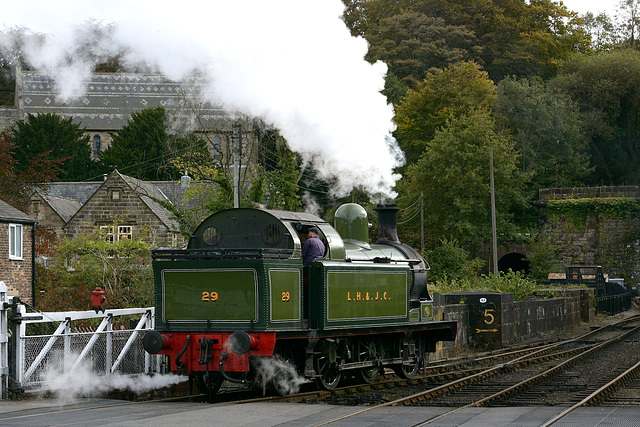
(612, 243)
(17, 274)
(610, 238)
(488, 320)
(451, 312)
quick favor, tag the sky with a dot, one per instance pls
(593, 6)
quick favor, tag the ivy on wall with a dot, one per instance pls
(575, 211)
(617, 226)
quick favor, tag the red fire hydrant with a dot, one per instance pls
(97, 299)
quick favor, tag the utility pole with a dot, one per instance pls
(237, 143)
(494, 234)
(422, 223)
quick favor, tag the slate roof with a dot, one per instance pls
(109, 99)
(10, 214)
(149, 193)
(66, 198)
(79, 191)
(63, 206)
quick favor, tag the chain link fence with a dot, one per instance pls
(104, 351)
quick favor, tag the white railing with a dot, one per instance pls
(105, 350)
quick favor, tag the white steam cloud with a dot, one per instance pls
(68, 385)
(291, 62)
(280, 374)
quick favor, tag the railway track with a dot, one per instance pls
(528, 379)
(461, 378)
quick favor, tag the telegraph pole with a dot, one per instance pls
(494, 234)
(422, 223)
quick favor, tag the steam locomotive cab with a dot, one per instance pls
(236, 296)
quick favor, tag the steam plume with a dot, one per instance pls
(68, 385)
(291, 62)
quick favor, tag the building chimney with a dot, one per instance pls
(388, 222)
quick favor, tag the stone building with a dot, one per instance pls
(106, 101)
(124, 207)
(56, 205)
(17, 231)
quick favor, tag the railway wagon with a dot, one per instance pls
(238, 296)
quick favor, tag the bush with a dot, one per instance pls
(515, 283)
(543, 258)
(450, 262)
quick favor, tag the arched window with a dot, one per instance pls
(217, 149)
(96, 145)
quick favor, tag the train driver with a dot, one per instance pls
(312, 249)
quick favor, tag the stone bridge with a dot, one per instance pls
(608, 236)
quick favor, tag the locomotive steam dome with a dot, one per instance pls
(351, 223)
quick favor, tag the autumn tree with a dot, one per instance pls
(440, 97)
(19, 184)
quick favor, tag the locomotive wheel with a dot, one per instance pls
(208, 386)
(367, 351)
(413, 350)
(327, 365)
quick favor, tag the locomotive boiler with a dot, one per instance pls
(238, 295)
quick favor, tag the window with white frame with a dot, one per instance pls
(15, 241)
(125, 232)
(114, 233)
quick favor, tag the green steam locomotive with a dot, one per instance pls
(238, 295)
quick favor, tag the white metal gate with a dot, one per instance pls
(106, 350)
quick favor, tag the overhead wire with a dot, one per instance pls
(267, 152)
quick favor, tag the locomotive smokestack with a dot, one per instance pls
(388, 222)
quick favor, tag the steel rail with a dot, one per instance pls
(521, 359)
(593, 397)
(533, 379)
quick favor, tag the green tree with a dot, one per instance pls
(543, 258)
(271, 181)
(602, 30)
(90, 260)
(440, 97)
(547, 129)
(453, 173)
(606, 87)
(630, 25)
(53, 138)
(276, 182)
(142, 148)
